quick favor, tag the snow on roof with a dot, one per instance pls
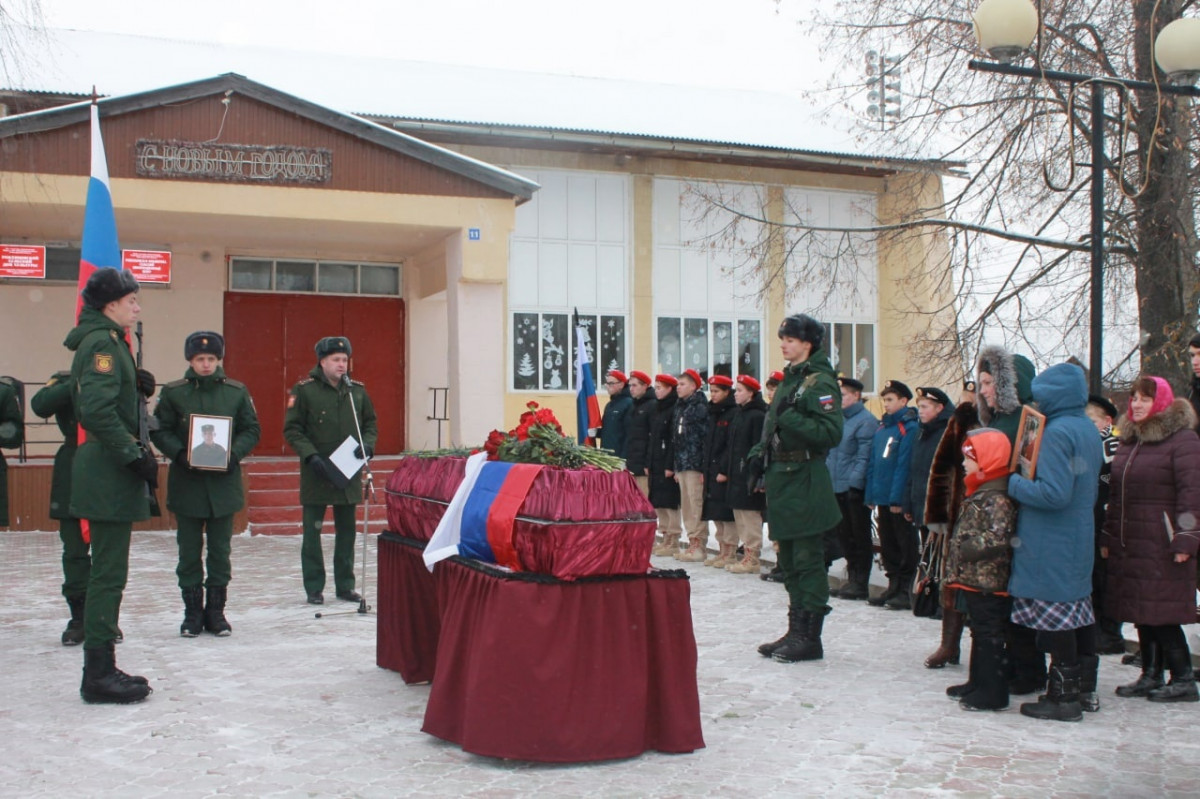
(71, 61)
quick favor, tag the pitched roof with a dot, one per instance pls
(49, 119)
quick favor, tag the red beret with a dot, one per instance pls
(694, 376)
(645, 378)
(749, 382)
(666, 380)
(618, 375)
(777, 377)
(721, 380)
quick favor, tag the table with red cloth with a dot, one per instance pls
(530, 667)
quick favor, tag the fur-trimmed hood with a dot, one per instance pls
(1161, 426)
(1013, 375)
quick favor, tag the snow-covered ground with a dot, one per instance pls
(291, 705)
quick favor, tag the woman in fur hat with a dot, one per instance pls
(1151, 536)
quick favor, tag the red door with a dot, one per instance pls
(269, 341)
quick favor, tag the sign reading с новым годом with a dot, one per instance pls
(246, 163)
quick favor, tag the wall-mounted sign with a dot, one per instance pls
(148, 266)
(239, 163)
(22, 260)
(474, 234)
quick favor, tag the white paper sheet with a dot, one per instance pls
(343, 457)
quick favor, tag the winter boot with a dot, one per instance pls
(1182, 687)
(1026, 663)
(73, 635)
(694, 553)
(976, 660)
(1152, 672)
(747, 565)
(806, 645)
(948, 652)
(988, 676)
(669, 545)
(725, 555)
(193, 611)
(855, 587)
(1061, 702)
(766, 650)
(214, 612)
(1089, 700)
(902, 599)
(104, 683)
(775, 575)
(1132, 659)
(892, 588)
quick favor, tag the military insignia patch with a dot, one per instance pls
(103, 363)
(291, 400)
(826, 402)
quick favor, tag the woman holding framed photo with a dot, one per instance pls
(207, 424)
(1150, 536)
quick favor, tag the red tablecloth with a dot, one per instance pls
(533, 668)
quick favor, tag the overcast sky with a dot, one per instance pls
(737, 43)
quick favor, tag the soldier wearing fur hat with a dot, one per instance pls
(204, 492)
(111, 473)
(803, 423)
(321, 414)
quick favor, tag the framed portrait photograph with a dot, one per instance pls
(1029, 442)
(208, 442)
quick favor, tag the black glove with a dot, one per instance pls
(181, 460)
(358, 451)
(754, 472)
(145, 467)
(319, 467)
(145, 383)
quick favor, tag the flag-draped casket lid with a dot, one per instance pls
(572, 522)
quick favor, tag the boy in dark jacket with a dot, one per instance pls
(613, 430)
(847, 464)
(637, 428)
(660, 465)
(688, 434)
(746, 499)
(887, 481)
(721, 410)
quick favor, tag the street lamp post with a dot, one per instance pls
(1006, 29)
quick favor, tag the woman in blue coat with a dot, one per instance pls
(1051, 581)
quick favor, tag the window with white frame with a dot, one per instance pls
(707, 296)
(834, 275)
(568, 266)
(321, 277)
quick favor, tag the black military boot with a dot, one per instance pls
(806, 645)
(889, 592)
(962, 689)
(1089, 666)
(1152, 672)
(766, 650)
(73, 635)
(1182, 687)
(214, 612)
(104, 683)
(193, 611)
(1061, 702)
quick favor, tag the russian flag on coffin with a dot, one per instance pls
(479, 521)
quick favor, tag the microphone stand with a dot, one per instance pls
(368, 494)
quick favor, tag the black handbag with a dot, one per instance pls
(927, 589)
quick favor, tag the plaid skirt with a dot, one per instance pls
(1038, 614)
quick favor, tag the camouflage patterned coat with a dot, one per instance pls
(980, 554)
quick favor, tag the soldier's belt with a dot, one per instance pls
(795, 455)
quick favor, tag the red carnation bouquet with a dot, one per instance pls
(538, 438)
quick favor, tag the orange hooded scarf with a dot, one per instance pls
(991, 449)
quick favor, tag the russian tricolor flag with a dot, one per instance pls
(587, 407)
(479, 521)
(99, 248)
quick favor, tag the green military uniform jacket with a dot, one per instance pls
(54, 399)
(802, 425)
(12, 433)
(317, 422)
(198, 493)
(104, 382)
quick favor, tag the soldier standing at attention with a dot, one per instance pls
(320, 415)
(803, 423)
(204, 500)
(12, 433)
(112, 474)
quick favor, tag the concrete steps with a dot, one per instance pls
(273, 496)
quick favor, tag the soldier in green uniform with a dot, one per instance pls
(204, 501)
(12, 433)
(112, 473)
(802, 425)
(54, 399)
(320, 415)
